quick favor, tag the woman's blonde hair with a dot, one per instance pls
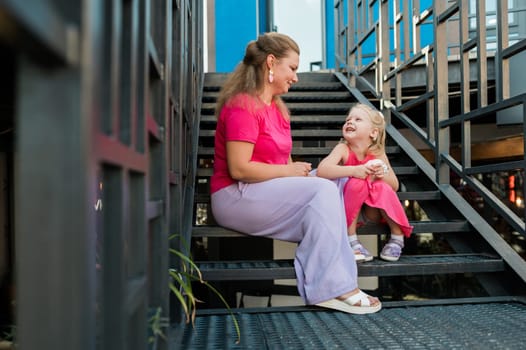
(249, 75)
(377, 119)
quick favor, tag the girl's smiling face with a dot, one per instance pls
(358, 126)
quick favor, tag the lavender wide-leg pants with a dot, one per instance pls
(306, 210)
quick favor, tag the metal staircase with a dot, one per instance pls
(450, 243)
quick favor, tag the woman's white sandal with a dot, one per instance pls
(349, 305)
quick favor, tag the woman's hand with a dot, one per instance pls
(242, 168)
(300, 168)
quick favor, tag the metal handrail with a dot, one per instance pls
(458, 31)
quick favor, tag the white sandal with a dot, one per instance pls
(349, 305)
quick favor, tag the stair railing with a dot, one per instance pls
(461, 50)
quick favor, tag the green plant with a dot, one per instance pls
(157, 323)
(181, 286)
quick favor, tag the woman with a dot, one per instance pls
(257, 188)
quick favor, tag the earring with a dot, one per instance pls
(270, 76)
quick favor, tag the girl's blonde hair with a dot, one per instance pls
(377, 119)
(250, 74)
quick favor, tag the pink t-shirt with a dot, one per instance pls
(245, 118)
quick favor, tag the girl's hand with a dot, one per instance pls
(362, 171)
(377, 168)
(378, 175)
(383, 171)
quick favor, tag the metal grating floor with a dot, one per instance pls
(490, 325)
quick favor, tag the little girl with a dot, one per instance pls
(370, 192)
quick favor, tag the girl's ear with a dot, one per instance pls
(374, 134)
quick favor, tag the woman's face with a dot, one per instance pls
(285, 72)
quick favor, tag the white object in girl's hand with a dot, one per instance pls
(376, 162)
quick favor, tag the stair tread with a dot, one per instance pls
(400, 170)
(301, 106)
(419, 227)
(208, 151)
(407, 195)
(215, 85)
(317, 86)
(320, 134)
(407, 265)
(294, 119)
(294, 95)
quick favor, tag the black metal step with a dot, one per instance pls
(408, 265)
(213, 79)
(419, 195)
(301, 107)
(321, 119)
(296, 151)
(213, 86)
(302, 134)
(320, 96)
(319, 76)
(307, 152)
(467, 323)
(296, 95)
(317, 86)
(320, 107)
(371, 229)
(323, 151)
(416, 196)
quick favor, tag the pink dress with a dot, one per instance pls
(376, 194)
